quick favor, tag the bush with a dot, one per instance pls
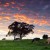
(45, 37)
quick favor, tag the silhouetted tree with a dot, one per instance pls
(45, 36)
(20, 28)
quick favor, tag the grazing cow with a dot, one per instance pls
(4, 39)
(16, 38)
(35, 39)
(48, 40)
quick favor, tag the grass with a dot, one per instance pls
(24, 45)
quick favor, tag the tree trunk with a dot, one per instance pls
(20, 36)
(14, 37)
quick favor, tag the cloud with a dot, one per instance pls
(22, 18)
(18, 7)
(37, 21)
(41, 22)
(12, 2)
(1, 9)
(7, 17)
(5, 13)
(1, 17)
(43, 31)
(6, 4)
(22, 4)
(45, 7)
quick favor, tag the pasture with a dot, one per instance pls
(24, 45)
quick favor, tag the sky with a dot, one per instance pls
(36, 12)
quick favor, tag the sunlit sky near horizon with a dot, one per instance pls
(36, 12)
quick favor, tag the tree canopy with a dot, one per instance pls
(45, 36)
(20, 28)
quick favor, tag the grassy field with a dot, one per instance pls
(24, 45)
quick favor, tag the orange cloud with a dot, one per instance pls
(35, 21)
(3, 12)
(1, 17)
(7, 17)
(6, 13)
(43, 22)
(24, 18)
(40, 31)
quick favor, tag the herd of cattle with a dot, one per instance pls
(35, 39)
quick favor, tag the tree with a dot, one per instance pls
(20, 28)
(45, 36)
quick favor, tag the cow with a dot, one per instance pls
(35, 39)
(17, 39)
(48, 40)
(4, 39)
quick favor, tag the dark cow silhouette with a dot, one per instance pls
(35, 39)
(4, 39)
(17, 39)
